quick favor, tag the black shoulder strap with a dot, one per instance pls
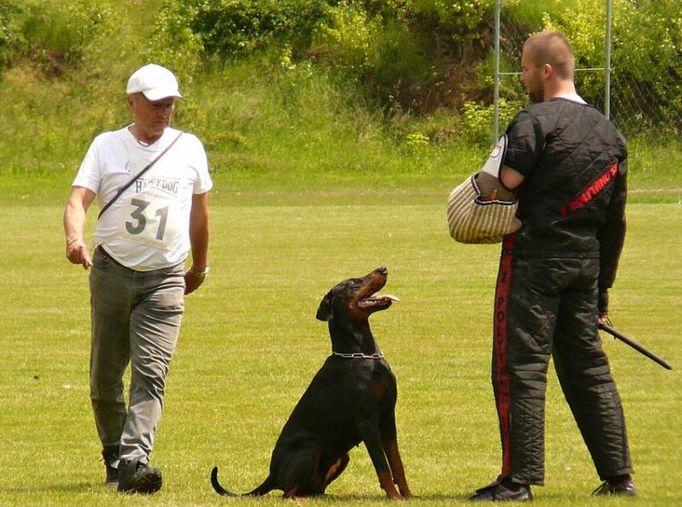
(134, 178)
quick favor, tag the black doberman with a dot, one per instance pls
(350, 400)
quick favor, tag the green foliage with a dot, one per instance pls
(648, 38)
(298, 122)
(10, 31)
(349, 37)
(478, 118)
(225, 28)
(647, 50)
(400, 50)
(373, 91)
(56, 100)
(585, 29)
(173, 42)
(56, 34)
(384, 56)
(462, 18)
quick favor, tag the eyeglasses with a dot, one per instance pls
(166, 104)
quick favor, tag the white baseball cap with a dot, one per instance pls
(154, 81)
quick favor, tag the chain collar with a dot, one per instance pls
(358, 355)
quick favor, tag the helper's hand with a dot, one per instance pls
(604, 319)
(489, 197)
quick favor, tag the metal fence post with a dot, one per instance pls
(496, 79)
(607, 66)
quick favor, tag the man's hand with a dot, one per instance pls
(511, 178)
(77, 252)
(194, 279)
(603, 306)
(198, 238)
(604, 319)
(74, 222)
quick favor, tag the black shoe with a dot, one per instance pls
(624, 486)
(498, 492)
(136, 477)
(111, 461)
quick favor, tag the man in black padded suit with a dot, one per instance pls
(567, 165)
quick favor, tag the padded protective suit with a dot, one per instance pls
(552, 273)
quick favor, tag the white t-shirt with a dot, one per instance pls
(147, 227)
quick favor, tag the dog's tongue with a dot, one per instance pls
(388, 296)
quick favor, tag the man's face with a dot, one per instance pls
(532, 78)
(151, 117)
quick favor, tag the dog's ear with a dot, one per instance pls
(324, 311)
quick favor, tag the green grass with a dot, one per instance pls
(250, 344)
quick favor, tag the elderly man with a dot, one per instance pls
(567, 165)
(151, 182)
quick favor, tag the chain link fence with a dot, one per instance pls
(628, 58)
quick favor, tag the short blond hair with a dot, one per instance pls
(554, 49)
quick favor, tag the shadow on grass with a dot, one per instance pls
(81, 487)
(355, 498)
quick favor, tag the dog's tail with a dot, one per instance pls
(259, 491)
(216, 485)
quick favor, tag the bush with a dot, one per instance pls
(348, 38)
(646, 56)
(228, 28)
(647, 59)
(173, 42)
(457, 18)
(383, 55)
(10, 32)
(55, 34)
(478, 118)
(401, 51)
(421, 55)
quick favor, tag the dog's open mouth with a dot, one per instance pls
(377, 302)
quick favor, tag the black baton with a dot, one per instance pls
(635, 345)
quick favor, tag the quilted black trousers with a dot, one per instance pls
(548, 307)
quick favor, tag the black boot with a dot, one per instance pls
(111, 461)
(620, 485)
(137, 477)
(503, 490)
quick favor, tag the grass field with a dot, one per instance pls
(250, 344)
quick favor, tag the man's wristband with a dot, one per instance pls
(202, 273)
(71, 242)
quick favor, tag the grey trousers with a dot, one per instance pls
(135, 319)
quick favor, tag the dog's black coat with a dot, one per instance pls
(350, 400)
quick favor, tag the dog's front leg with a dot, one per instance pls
(369, 431)
(389, 437)
(397, 468)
